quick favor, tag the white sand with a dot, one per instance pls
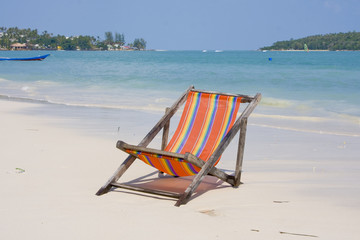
(300, 183)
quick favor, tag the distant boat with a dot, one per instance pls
(218, 50)
(204, 50)
(39, 58)
(306, 49)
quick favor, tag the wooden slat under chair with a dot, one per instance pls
(208, 124)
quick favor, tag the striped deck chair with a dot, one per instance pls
(206, 127)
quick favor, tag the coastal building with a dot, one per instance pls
(18, 46)
(127, 48)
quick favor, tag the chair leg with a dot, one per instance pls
(118, 173)
(240, 153)
(195, 183)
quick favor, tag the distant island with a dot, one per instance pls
(29, 39)
(331, 42)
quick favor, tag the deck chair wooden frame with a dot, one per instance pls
(207, 168)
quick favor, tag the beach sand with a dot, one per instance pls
(297, 185)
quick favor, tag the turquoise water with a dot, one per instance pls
(307, 85)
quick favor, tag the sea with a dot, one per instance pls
(317, 92)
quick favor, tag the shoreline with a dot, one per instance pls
(165, 50)
(294, 50)
(337, 124)
(294, 183)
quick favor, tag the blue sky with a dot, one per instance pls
(187, 24)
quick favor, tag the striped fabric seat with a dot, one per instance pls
(206, 119)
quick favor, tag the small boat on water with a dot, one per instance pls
(39, 58)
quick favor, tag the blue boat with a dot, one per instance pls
(39, 58)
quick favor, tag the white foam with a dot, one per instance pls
(276, 102)
(163, 100)
(307, 130)
(25, 88)
(47, 83)
(148, 107)
(293, 118)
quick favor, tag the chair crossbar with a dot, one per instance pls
(147, 190)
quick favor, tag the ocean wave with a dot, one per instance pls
(163, 100)
(291, 118)
(276, 102)
(149, 107)
(115, 107)
(47, 83)
(346, 134)
(280, 103)
(23, 99)
(28, 89)
(354, 119)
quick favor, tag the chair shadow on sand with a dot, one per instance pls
(156, 180)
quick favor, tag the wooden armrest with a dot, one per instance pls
(124, 146)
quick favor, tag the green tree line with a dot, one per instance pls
(332, 42)
(48, 41)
